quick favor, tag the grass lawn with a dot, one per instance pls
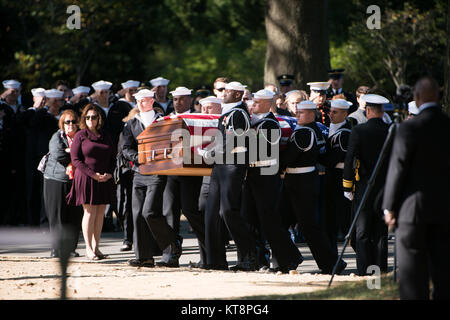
(354, 290)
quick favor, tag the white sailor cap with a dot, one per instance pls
(374, 99)
(144, 93)
(101, 85)
(81, 89)
(234, 85)
(306, 104)
(53, 93)
(210, 99)
(160, 81)
(318, 86)
(130, 83)
(11, 84)
(340, 104)
(38, 92)
(412, 108)
(287, 94)
(263, 94)
(181, 91)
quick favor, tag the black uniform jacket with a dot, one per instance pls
(418, 183)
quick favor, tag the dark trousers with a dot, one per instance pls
(182, 195)
(59, 213)
(337, 207)
(124, 206)
(151, 230)
(423, 254)
(371, 235)
(303, 192)
(36, 214)
(260, 203)
(224, 202)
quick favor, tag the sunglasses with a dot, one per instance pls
(220, 89)
(70, 122)
(91, 117)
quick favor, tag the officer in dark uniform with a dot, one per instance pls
(416, 197)
(227, 177)
(162, 103)
(127, 101)
(182, 192)
(147, 196)
(366, 142)
(336, 78)
(286, 82)
(261, 188)
(337, 207)
(301, 182)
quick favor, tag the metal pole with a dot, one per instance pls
(370, 183)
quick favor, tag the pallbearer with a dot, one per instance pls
(147, 196)
(227, 177)
(262, 186)
(337, 207)
(301, 182)
(182, 192)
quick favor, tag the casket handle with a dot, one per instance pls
(153, 155)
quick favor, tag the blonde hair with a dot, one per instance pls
(133, 112)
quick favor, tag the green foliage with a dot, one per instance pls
(409, 44)
(193, 42)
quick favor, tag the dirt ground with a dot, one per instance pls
(39, 278)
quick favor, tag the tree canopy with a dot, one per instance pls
(193, 42)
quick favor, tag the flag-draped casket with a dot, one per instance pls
(169, 145)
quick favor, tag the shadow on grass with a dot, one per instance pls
(354, 290)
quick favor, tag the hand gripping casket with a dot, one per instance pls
(169, 145)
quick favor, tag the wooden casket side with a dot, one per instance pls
(158, 154)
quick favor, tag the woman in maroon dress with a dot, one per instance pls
(93, 156)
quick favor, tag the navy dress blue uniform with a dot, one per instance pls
(147, 200)
(261, 192)
(417, 190)
(366, 142)
(337, 207)
(224, 198)
(301, 182)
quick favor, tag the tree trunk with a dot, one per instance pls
(297, 41)
(447, 66)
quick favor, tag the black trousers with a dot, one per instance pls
(124, 205)
(59, 213)
(371, 235)
(303, 191)
(423, 254)
(337, 207)
(182, 195)
(224, 202)
(151, 231)
(260, 208)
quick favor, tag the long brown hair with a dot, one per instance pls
(86, 109)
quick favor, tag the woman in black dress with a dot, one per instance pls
(93, 156)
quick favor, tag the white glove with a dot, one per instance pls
(349, 195)
(201, 152)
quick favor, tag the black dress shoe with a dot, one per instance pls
(125, 247)
(341, 266)
(172, 263)
(74, 254)
(244, 266)
(215, 267)
(149, 263)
